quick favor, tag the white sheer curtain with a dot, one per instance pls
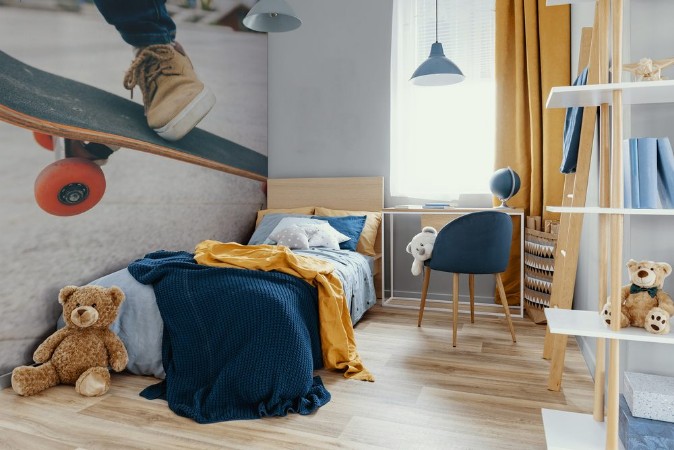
(442, 138)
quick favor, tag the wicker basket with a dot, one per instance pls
(539, 266)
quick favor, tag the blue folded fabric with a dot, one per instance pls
(350, 226)
(572, 125)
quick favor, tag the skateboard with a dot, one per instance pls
(84, 125)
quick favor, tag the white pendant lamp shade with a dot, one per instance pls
(271, 16)
(437, 70)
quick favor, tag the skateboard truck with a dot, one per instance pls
(74, 183)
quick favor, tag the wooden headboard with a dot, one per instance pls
(349, 193)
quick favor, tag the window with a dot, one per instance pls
(442, 138)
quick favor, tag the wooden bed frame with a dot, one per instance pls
(349, 193)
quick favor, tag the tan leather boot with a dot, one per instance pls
(174, 98)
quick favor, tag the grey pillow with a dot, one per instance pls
(267, 225)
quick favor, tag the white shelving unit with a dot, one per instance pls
(637, 92)
(589, 323)
(570, 430)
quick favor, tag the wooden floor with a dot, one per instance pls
(485, 394)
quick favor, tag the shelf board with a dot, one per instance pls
(595, 94)
(588, 323)
(449, 210)
(567, 2)
(572, 431)
(599, 210)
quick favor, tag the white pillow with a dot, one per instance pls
(310, 226)
(292, 237)
(325, 237)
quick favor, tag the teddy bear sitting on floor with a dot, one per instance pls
(421, 248)
(80, 353)
(644, 303)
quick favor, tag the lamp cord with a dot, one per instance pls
(436, 20)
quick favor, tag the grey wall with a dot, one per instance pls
(329, 109)
(648, 33)
(329, 91)
(151, 202)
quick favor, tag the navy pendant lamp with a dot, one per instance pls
(271, 16)
(437, 70)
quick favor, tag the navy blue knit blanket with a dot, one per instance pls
(237, 344)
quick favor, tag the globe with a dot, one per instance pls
(504, 184)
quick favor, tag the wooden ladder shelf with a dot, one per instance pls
(570, 225)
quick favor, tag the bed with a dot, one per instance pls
(349, 194)
(221, 338)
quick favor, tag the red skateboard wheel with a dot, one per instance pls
(69, 186)
(45, 140)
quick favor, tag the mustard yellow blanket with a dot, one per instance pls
(337, 339)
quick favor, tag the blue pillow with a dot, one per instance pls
(267, 225)
(351, 226)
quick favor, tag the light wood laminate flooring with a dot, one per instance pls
(487, 393)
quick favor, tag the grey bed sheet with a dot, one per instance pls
(355, 272)
(140, 327)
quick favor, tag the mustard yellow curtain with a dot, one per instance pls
(532, 55)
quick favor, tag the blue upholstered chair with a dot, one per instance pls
(476, 243)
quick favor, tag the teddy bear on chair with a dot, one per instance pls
(421, 248)
(644, 303)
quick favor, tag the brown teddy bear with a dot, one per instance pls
(81, 352)
(644, 303)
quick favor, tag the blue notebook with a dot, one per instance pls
(627, 175)
(647, 155)
(666, 172)
(634, 173)
(436, 205)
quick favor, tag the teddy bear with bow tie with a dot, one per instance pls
(644, 303)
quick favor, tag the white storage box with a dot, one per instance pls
(650, 396)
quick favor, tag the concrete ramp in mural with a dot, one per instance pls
(82, 115)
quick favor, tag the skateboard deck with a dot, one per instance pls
(51, 104)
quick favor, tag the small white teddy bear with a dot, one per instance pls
(421, 248)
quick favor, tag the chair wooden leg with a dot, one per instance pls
(504, 302)
(471, 288)
(424, 291)
(455, 320)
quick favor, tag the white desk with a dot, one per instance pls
(517, 311)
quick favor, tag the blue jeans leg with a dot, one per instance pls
(140, 22)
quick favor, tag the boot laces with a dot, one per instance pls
(150, 63)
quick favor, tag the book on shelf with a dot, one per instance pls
(666, 172)
(630, 171)
(647, 154)
(436, 205)
(648, 173)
